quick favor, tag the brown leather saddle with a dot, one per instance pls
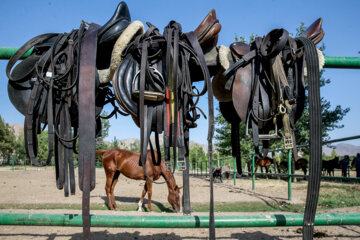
(264, 87)
(264, 90)
(154, 83)
(45, 88)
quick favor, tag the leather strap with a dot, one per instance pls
(312, 195)
(87, 122)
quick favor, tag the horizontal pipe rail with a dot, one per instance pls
(7, 52)
(330, 62)
(342, 62)
(175, 221)
(305, 176)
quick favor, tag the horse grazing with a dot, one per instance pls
(301, 163)
(330, 165)
(116, 161)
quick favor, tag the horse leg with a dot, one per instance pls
(149, 188)
(109, 180)
(115, 179)
(142, 198)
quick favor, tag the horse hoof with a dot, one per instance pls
(140, 210)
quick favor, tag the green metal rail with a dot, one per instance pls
(7, 52)
(330, 62)
(342, 62)
(175, 221)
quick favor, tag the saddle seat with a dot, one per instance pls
(314, 32)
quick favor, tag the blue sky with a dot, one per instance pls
(21, 20)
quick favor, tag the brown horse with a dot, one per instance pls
(262, 162)
(116, 161)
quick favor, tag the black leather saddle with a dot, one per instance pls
(44, 88)
(154, 82)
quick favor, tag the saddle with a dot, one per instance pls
(45, 88)
(264, 87)
(154, 83)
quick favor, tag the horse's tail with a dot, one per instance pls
(100, 152)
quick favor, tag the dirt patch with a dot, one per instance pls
(38, 186)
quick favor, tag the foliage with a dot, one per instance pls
(19, 149)
(105, 126)
(7, 139)
(196, 153)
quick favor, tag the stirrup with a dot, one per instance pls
(273, 136)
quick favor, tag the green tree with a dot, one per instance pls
(135, 146)
(43, 147)
(115, 143)
(7, 140)
(105, 126)
(196, 154)
(19, 149)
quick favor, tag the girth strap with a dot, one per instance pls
(315, 137)
(87, 122)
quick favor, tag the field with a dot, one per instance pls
(34, 191)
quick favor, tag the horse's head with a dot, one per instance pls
(174, 198)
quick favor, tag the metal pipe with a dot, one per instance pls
(330, 61)
(235, 171)
(175, 221)
(290, 177)
(253, 171)
(342, 62)
(221, 164)
(7, 52)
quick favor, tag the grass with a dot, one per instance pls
(338, 196)
(165, 207)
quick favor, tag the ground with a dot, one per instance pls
(38, 187)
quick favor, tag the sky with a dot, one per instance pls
(20, 20)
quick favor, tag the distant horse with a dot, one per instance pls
(330, 165)
(301, 163)
(224, 170)
(261, 162)
(116, 161)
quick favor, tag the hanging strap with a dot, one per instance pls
(87, 122)
(312, 196)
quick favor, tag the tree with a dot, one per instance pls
(330, 119)
(105, 126)
(115, 143)
(196, 153)
(7, 140)
(19, 149)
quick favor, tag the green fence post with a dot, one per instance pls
(12, 162)
(206, 169)
(221, 164)
(197, 169)
(253, 171)
(234, 171)
(201, 168)
(290, 177)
